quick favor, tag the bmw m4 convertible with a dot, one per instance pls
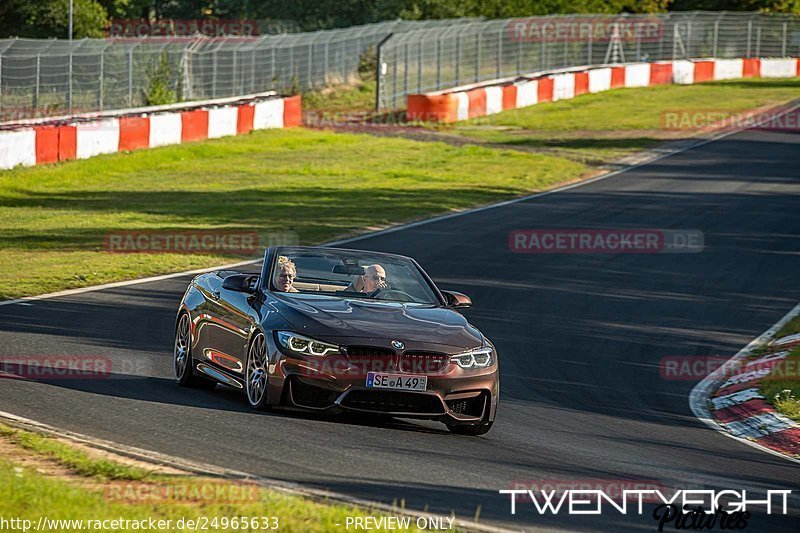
(339, 330)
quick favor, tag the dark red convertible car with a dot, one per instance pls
(336, 330)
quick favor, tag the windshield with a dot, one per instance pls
(350, 275)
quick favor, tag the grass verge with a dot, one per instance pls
(26, 493)
(782, 386)
(314, 185)
(600, 128)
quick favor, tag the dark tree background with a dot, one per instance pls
(48, 18)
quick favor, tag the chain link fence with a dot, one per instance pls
(425, 60)
(40, 78)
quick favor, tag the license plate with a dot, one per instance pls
(396, 381)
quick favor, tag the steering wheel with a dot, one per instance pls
(387, 293)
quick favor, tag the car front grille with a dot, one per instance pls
(394, 402)
(371, 358)
(423, 363)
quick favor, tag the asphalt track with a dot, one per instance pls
(580, 337)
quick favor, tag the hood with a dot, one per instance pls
(343, 321)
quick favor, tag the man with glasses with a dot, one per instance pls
(374, 278)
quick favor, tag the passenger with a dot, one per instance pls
(285, 272)
(374, 278)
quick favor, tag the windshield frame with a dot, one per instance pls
(270, 254)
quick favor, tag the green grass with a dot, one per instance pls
(790, 328)
(28, 495)
(341, 98)
(782, 386)
(72, 458)
(312, 184)
(602, 127)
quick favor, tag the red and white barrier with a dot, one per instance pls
(779, 68)
(637, 75)
(599, 80)
(80, 137)
(492, 97)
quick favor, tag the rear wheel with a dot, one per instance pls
(182, 356)
(256, 376)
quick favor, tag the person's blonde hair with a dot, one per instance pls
(284, 263)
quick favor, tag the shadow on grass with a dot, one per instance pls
(313, 213)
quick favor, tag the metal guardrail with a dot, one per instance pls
(425, 60)
(51, 77)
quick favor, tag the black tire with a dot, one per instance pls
(473, 430)
(256, 383)
(182, 363)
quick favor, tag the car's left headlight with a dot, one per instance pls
(300, 344)
(478, 358)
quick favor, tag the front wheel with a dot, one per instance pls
(256, 376)
(182, 356)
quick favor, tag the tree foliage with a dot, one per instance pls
(48, 18)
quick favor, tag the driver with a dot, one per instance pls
(285, 272)
(374, 278)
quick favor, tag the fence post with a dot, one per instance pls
(519, 56)
(235, 74)
(716, 38)
(758, 41)
(589, 41)
(405, 71)
(419, 66)
(783, 41)
(69, 84)
(102, 74)
(438, 64)
(478, 59)
(379, 71)
(130, 77)
(749, 34)
(272, 70)
(458, 59)
(36, 87)
(214, 74)
(499, 53)
(310, 82)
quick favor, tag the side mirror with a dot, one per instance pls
(241, 283)
(457, 300)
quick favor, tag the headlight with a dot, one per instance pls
(478, 358)
(299, 344)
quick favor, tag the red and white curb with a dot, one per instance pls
(490, 97)
(729, 400)
(50, 140)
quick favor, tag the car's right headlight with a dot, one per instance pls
(300, 344)
(477, 358)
